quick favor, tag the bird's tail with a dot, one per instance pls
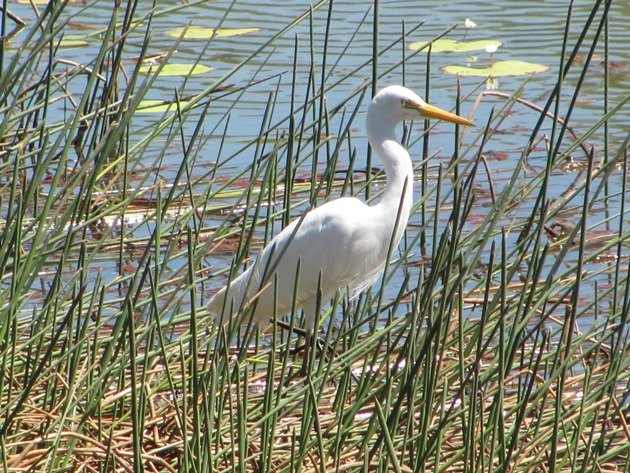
(216, 303)
(218, 309)
(226, 303)
(247, 295)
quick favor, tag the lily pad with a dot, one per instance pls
(72, 43)
(46, 2)
(200, 32)
(177, 69)
(69, 41)
(498, 69)
(158, 106)
(449, 45)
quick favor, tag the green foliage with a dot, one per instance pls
(471, 355)
(200, 32)
(497, 69)
(175, 69)
(449, 45)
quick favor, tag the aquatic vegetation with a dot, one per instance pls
(201, 32)
(174, 69)
(450, 45)
(496, 339)
(497, 69)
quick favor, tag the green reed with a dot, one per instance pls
(475, 363)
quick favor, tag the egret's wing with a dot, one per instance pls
(338, 240)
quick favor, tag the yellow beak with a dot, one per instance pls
(429, 111)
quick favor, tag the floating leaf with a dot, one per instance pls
(498, 69)
(200, 32)
(69, 41)
(72, 43)
(77, 25)
(46, 2)
(177, 69)
(449, 45)
(158, 106)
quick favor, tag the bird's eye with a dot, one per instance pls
(404, 102)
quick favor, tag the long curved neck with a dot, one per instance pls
(398, 169)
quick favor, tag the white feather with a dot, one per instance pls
(345, 240)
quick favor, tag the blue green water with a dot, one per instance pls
(529, 31)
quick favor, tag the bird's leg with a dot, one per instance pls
(299, 331)
(296, 330)
(308, 348)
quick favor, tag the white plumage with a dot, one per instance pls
(344, 240)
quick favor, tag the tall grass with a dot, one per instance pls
(490, 344)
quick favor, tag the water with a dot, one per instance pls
(529, 31)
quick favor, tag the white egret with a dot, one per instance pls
(341, 244)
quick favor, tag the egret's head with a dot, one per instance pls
(396, 103)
